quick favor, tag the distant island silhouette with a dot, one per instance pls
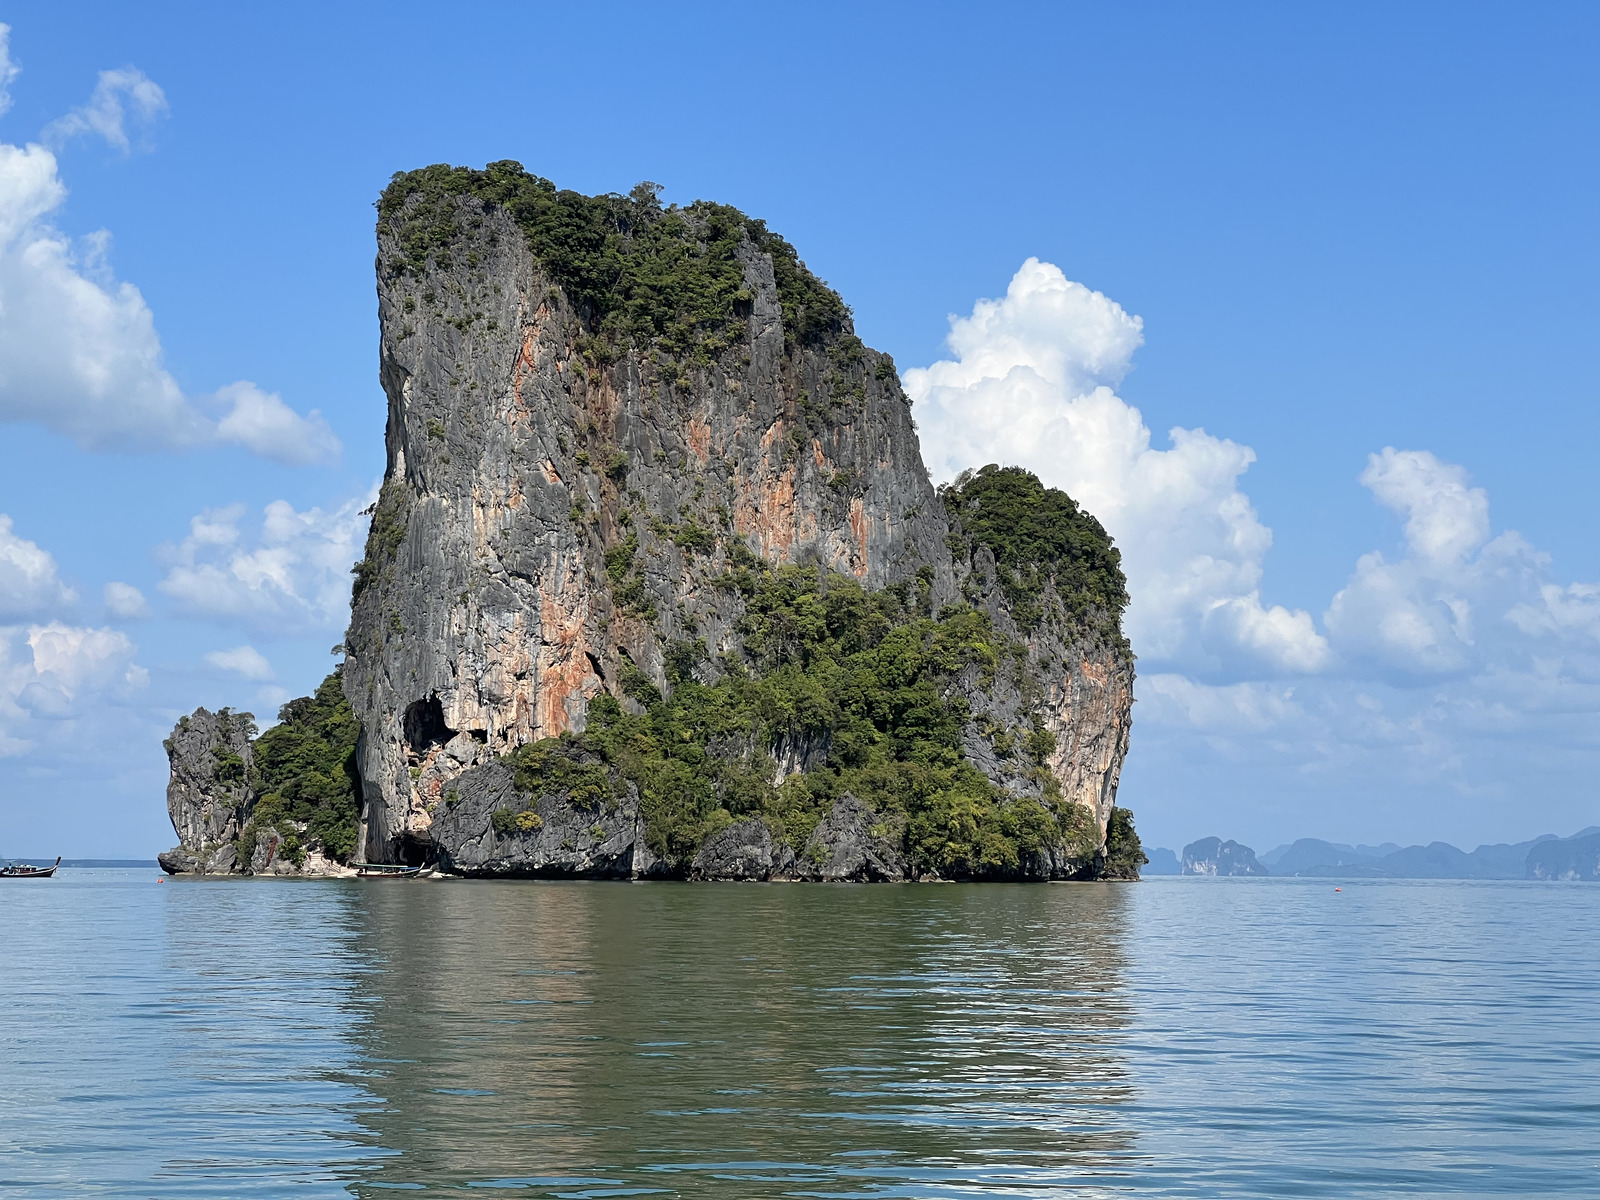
(1544, 857)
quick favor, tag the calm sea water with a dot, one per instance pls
(1175, 1037)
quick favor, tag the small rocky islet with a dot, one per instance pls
(657, 586)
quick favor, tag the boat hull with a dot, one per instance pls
(385, 871)
(29, 872)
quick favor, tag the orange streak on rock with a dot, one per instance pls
(861, 526)
(776, 511)
(700, 440)
(524, 366)
(564, 669)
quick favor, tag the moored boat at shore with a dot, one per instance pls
(385, 871)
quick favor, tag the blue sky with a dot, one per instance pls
(1342, 228)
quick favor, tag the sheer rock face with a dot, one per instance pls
(488, 613)
(208, 793)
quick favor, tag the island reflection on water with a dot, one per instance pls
(741, 1040)
(1246, 1038)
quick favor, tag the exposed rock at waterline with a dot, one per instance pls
(210, 756)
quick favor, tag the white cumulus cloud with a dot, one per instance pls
(245, 661)
(29, 583)
(1444, 607)
(79, 352)
(76, 659)
(1465, 681)
(125, 601)
(262, 423)
(67, 672)
(290, 571)
(51, 670)
(1030, 384)
(1445, 517)
(1449, 690)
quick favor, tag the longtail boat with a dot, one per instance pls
(365, 870)
(25, 871)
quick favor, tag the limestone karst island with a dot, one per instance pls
(657, 586)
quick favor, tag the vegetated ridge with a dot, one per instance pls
(657, 584)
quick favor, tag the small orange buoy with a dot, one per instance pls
(1338, 889)
(161, 878)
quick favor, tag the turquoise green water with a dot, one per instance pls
(1175, 1037)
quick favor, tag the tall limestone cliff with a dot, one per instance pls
(648, 494)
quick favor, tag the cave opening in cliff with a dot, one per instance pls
(424, 725)
(414, 850)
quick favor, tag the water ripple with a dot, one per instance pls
(1178, 1038)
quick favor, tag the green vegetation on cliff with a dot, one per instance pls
(665, 279)
(840, 689)
(853, 685)
(384, 535)
(1124, 853)
(306, 775)
(1038, 536)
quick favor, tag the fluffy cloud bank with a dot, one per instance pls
(289, 573)
(57, 672)
(1031, 384)
(29, 583)
(1462, 669)
(125, 601)
(51, 670)
(79, 352)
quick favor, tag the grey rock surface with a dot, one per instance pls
(179, 861)
(495, 615)
(488, 616)
(223, 860)
(741, 851)
(1086, 703)
(1213, 856)
(210, 756)
(851, 845)
(554, 838)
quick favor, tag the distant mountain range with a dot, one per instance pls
(1545, 857)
